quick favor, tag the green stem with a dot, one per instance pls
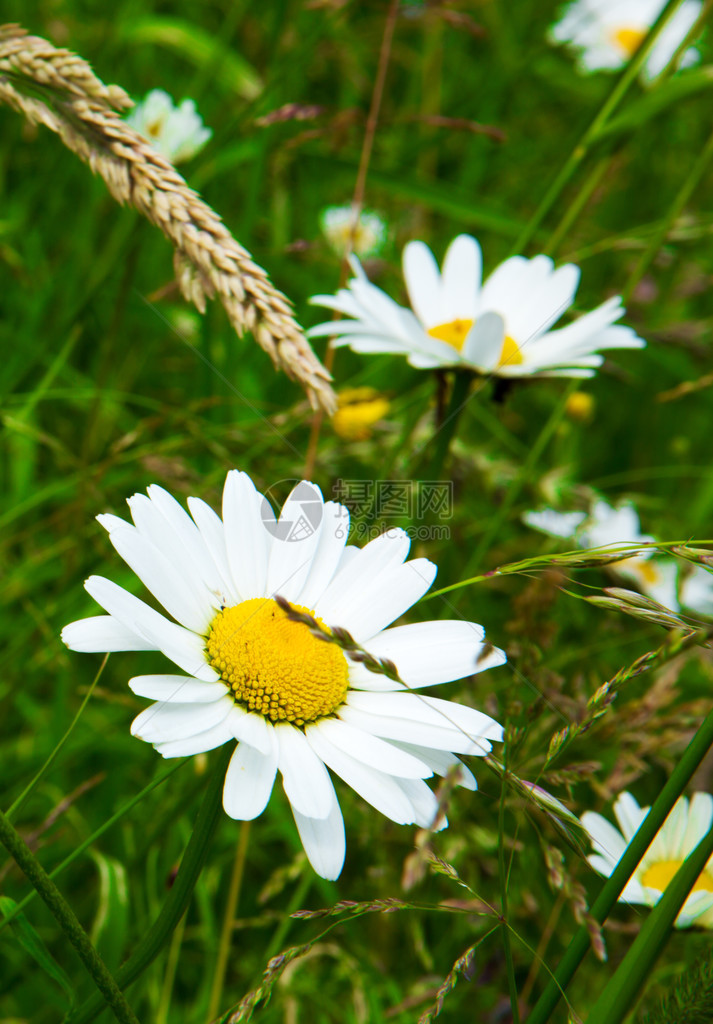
(578, 203)
(181, 891)
(90, 840)
(621, 87)
(109, 991)
(444, 435)
(231, 906)
(12, 811)
(517, 485)
(659, 237)
(503, 876)
(613, 887)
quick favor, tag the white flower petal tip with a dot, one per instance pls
(502, 327)
(687, 824)
(606, 33)
(177, 132)
(247, 671)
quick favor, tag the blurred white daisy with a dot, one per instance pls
(295, 702)
(365, 238)
(679, 835)
(501, 327)
(609, 526)
(178, 133)
(697, 590)
(608, 33)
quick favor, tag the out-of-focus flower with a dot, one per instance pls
(607, 33)
(580, 407)
(501, 327)
(697, 590)
(609, 526)
(294, 701)
(177, 132)
(358, 410)
(679, 835)
(365, 238)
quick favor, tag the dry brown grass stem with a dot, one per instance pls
(58, 89)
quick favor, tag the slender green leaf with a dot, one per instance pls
(673, 91)
(33, 944)
(111, 922)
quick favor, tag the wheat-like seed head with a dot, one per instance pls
(58, 89)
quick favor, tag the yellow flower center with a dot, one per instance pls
(456, 331)
(359, 409)
(659, 875)
(510, 354)
(453, 333)
(274, 666)
(643, 567)
(628, 40)
(154, 128)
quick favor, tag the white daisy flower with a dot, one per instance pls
(365, 239)
(679, 835)
(501, 327)
(609, 526)
(697, 590)
(294, 702)
(608, 33)
(178, 133)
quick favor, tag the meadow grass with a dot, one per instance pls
(109, 382)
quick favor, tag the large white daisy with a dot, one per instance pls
(609, 526)
(177, 132)
(501, 327)
(607, 33)
(294, 702)
(679, 835)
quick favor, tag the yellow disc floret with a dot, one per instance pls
(659, 875)
(628, 40)
(510, 354)
(276, 667)
(453, 333)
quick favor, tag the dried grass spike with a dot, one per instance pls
(83, 111)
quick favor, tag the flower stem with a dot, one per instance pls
(231, 906)
(621, 87)
(109, 991)
(503, 873)
(181, 891)
(659, 237)
(613, 887)
(444, 434)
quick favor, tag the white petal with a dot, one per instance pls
(390, 594)
(327, 557)
(428, 653)
(629, 815)
(246, 534)
(102, 633)
(198, 744)
(371, 750)
(213, 533)
(431, 710)
(252, 729)
(443, 763)
(423, 282)
(305, 779)
(358, 571)
(164, 722)
(418, 733)
(460, 281)
(165, 581)
(177, 689)
(484, 344)
(249, 781)
(324, 841)
(700, 817)
(295, 541)
(424, 803)
(606, 840)
(379, 790)
(182, 646)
